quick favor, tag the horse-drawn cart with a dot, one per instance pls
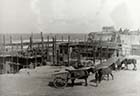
(61, 78)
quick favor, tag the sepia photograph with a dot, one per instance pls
(69, 48)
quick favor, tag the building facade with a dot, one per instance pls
(127, 39)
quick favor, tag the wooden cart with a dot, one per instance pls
(60, 79)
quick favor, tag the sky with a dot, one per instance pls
(67, 16)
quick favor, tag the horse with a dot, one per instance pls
(107, 71)
(100, 74)
(80, 74)
(127, 62)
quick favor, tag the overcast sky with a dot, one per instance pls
(76, 16)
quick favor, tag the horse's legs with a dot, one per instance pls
(72, 80)
(135, 68)
(126, 65)
(86, 82)
(97, 83)
(100, 78)
(107, 76)
(112, 76)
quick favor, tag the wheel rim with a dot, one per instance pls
(60, 82)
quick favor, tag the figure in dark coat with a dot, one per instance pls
(98, 76)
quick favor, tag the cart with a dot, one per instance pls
(61, 78)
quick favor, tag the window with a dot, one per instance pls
(61, 58)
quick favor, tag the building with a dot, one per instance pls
(77, 51)
(126, 38)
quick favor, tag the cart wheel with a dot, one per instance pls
(60, 82)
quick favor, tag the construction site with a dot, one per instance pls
(69, 48)
(31, 65)
(57, 52)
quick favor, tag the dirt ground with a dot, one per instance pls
(125, 83)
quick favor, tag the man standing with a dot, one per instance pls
(98, 76)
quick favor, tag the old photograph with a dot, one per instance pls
(69, 48)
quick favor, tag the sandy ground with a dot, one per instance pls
(125, 83)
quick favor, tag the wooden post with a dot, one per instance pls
(107, 53)
(62, 38)
(3, 53)
(53, 50)
(101, 55)
(17, 62)
(85, 47)
(87, 43)
(35, 59)
(95, 54)
(68, 51)
(42, 40)
(57, 59)
(92, 51)
(21, 47)
(63, 55)
(31, 42)
(11, 43)
(11, 59)
(48, 41)
(21, 43)
(11, 48)
(4, 42)
(42, 49)
(93, 47)
(79, 58)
